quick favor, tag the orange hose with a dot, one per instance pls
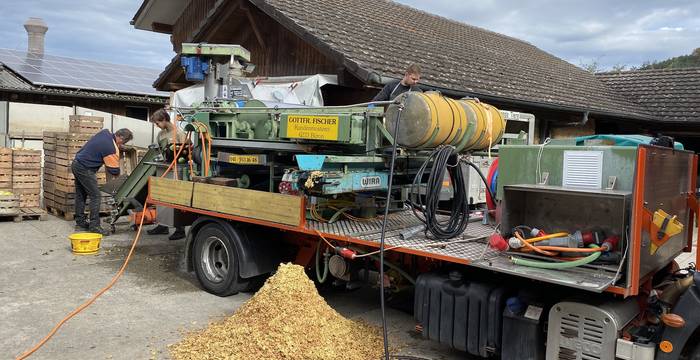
(534, 248)
(92, 299)
(208, 150)
(546, 237)
(189, 161)
(89, 302)
(175, 160)
(175, 142)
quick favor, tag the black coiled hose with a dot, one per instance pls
(442, 159)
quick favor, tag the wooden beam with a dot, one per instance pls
(177, 86)
(253, 204)
(254, 26)
(162, 28)
(221, 21)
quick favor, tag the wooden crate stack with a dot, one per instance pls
(20, 184)
(9, 204)
(26, 176)
(60, 149)
(5, 169)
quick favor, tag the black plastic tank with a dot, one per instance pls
(464, 315)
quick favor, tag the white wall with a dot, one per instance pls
(33, 119)
(143, 130)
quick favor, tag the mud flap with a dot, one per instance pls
(687, 307)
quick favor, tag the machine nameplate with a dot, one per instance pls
(314, 127)
(244, 159)
(369, 182)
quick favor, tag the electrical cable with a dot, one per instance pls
(89, 302)
(382, 239)
(538, 168)
(533, 247)
(546, 237)
(427, 211)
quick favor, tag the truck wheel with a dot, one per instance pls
(216, 262)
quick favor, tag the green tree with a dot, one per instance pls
(683, 61)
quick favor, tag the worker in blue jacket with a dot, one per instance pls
(102, 149)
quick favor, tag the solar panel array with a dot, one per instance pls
(59, 71)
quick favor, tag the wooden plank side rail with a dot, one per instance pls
(246, 203)
(261, 205)
(171, 191)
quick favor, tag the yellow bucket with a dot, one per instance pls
(85, 243)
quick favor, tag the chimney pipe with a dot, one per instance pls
(36, 30)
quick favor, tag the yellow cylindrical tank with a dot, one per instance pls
(489, 125)
(430, 119)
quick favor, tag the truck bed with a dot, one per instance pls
(470, 249)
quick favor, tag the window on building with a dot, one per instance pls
(137, 112)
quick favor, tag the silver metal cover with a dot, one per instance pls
(580, 331)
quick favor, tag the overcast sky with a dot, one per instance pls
(610, 33)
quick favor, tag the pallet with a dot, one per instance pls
(33, 213)
(68, 215)
(26, 214)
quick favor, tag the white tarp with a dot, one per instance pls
(297, 90)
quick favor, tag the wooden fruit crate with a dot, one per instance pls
(83, 124)
(29, 201)
(49, 137)
(26, 159)
(26, 179)
(5, 159)
(66, 138)
(9, 205)
(5, 179)
(49, 163)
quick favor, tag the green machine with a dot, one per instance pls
(563, 163)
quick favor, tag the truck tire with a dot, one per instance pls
(215, 261)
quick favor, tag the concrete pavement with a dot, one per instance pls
(150, 307)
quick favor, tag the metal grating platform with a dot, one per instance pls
(471, 248)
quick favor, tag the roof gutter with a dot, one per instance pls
(86, 95)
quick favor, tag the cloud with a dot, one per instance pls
(94, 30)
(610, 33)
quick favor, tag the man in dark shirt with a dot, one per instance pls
(103, 148)
(398, 87)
